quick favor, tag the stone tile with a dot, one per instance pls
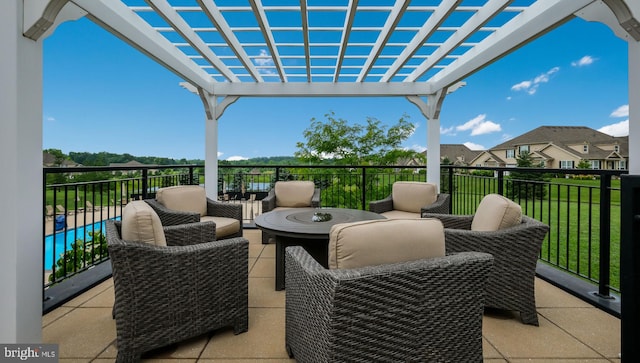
(264, 339)
(548, 295)
(255, 250)
(104, 299)
(264, 267)
(269, 250)
(252, 262)
(516, 340)
(262, 293)
(54, 315)
(82, 333)
(594, 327)
(559, 360)
(88, 295)
(488, 351)
(494, 360)
(110, 352)
(190, 348)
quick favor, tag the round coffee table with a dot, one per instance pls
(306, 227)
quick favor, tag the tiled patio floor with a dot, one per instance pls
(570, 330)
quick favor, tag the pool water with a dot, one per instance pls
(61, 241)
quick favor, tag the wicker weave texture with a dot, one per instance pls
(269, 204)
(170, 217)
(516, 251)
(441, 205)
(421, 311)
(168, 294)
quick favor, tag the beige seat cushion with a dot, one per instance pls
(412, 196)
(383, 241)
(224, 226)
(184, 198)
(141, 223)
(496, 212)
(294, 193)
(400, 214)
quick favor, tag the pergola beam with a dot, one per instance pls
(225, 31)
(261, 16)
(539, 18)
(429, 27)
(118, 19)
(325, 89)
(346, 32)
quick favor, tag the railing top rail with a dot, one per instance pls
(84, 169)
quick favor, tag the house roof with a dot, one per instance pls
(453, 152)
(564, 136)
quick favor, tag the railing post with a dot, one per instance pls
(277, 173)
(145, 183)
(364, 191)
(501, 182)
(605, 235)
(191, 175)
(629, 266)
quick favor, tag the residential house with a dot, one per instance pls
(49, 160)
(457, 154)
(561, 147)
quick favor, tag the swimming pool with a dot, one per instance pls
(63, 239)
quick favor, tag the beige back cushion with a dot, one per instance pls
(412, 196)
(141, 223)
(184, 198)
(496, 212)
(294, 193)
(383, 241)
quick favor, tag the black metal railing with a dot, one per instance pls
(582, 207)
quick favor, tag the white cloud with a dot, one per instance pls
(418, 148)
(447, 131)
(622, 111)
(220, 154)
(264, 60)
(479, 125)
(531, 86)
(584, 61)
(236, 158)
(50, 118)
(617, 129)
(473, 146)
(506, 137)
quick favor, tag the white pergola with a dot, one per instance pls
(226, 49)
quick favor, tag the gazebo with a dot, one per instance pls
(226, 49)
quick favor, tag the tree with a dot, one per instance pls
(355, 144)
(584, 164)
(81, 255)
(524, 184)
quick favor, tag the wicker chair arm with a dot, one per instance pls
(382, 205)
(315, 199)
(462, 222)
(269, 202)
(441, 205)
(170, 217)
(189, 234)
(219, 209)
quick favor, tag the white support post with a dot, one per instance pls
(21, 269)
(634, 107)
(210, 145)
(431, 110)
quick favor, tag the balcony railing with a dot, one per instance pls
(582, 207)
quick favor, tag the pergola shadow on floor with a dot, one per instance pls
(570, 329)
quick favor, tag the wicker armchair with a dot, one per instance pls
(167, 294)
(227, 216)
(298, 193)
(408, 204)
(427, 310)
(516, 249)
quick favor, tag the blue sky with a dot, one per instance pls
(100, 94)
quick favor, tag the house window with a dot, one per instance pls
(595, 164)
(622, 164)
(616, 148)
(511, 153)
(566, 164)
(524, 148)
(585, 148)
